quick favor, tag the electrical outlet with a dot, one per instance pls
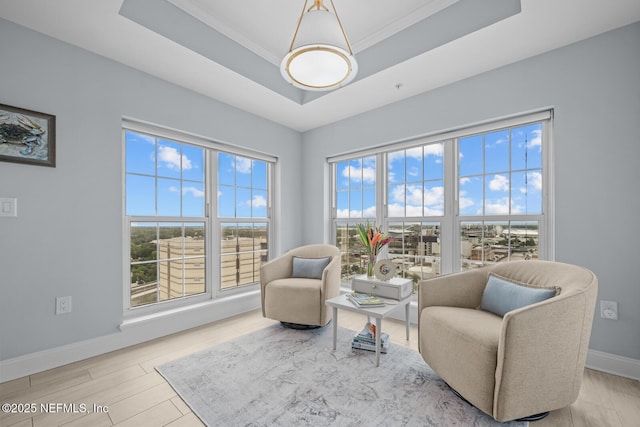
(609, 310)
(63, 305)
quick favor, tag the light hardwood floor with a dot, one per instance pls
(126, 383)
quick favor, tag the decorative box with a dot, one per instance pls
(395, 288)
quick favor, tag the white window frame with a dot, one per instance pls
(212, 222)
(450, 221)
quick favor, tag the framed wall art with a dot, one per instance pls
(27, 136)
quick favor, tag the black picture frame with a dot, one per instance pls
(27, 136)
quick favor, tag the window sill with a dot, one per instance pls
(193, 308)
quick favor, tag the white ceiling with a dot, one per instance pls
(265, 28)
(246, 23)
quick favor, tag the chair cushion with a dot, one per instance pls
(309, 268)
(501, 295)
(294, 300)
(461, 345)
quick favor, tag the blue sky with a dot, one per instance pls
(242, 189)
(178, 172)
(510, 182)
(499, 173)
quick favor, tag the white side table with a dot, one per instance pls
(342, 302)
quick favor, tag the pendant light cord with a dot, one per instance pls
(341, 29)
(304, 7)
(318, 4)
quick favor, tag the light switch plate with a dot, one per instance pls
(8, 207)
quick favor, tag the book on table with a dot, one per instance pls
(370, 339)
(370, 347)
(366, 340)
(365, 300)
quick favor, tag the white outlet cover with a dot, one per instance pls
(8, 207)
(63, 305)
(609, 310)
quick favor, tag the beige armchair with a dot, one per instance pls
(298, 301)
(521, 365)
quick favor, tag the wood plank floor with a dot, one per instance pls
(125, 383)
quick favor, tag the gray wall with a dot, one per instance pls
(594, 88)
(67, 239)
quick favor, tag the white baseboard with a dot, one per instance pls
(614, 364)
(130, 333)
(137, 332)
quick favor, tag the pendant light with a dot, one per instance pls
(320, 57)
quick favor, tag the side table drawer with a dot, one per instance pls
(395, 288)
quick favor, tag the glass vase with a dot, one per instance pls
(370, 263)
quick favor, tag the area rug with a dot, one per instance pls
(285, 377)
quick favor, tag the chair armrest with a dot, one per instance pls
(331, 279)
(551, 336)
(277, 268)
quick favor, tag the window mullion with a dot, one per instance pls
(449, 231)
(381, 191)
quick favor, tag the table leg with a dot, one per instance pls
(406, 317)
(378, 339)
(335, 326)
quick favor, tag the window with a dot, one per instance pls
(450, 202)
(165, 180)
(169, 226)
(415, 208)
(415, 182)
(355, 202)
(244, 227)
(500, 195)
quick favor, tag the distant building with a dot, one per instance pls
(241, 260)
(184, 272)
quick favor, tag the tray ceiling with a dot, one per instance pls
(230, 50)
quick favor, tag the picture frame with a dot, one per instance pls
(27, 136)
(384, 269)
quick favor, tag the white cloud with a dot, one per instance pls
(534, 182)
(397, 193)
(537, 139)
(497, 207)
(413, 210)
(434, 150)
(413, 195)
(369, 212)
(396, 210)
(499, 183)
(498, 141)
(195, 192)
(243, 165)
(463, 181)
(139, 137)
(417, 152)
(431, 200)
(257, 202)
(465, 202)
(501, 207)
(434, 196)
(366, 174)
(170, 157)
(433, 212)
(414, 153)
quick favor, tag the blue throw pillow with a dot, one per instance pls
(501, 296)
(309, 268)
